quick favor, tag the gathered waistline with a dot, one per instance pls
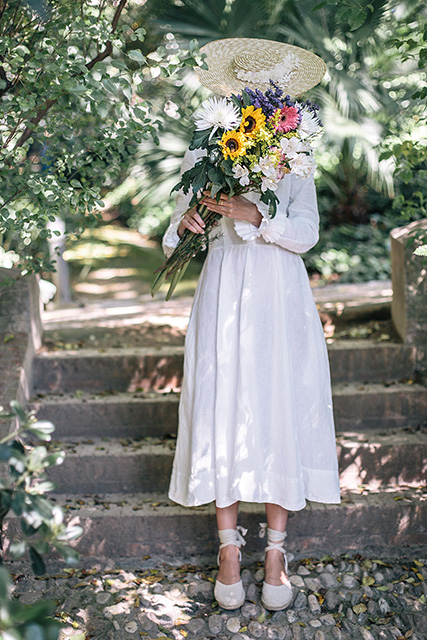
(247, 245)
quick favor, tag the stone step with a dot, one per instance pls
(111, 466)
(134, 526)
(161, 368)
(357, 407)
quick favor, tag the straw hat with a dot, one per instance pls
(236, 63)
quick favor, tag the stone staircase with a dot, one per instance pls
(115, 412)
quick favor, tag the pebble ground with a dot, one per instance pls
(335, 598)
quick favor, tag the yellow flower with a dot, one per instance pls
(264, 135)
(233, 144)
(252, 121)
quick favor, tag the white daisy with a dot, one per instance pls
(309, 124)
(241, 173)
(217, 113)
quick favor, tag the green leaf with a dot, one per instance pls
(160, 279)
(199, 139)
(109, 85)
(176, 278)
(421, 251)
(18, 503)
(42, 426)
(37, 563)
(70, 555)
(357, 18)
(45, 486)
(5, 587)
(216, 188)
(71, 533)
(18, 410)
(140, 32)
(36, 459)
(5, 452)
(119, 64)
(137, 56)
(5, 502)
(54, 459)
(42, 505)
(17, 548)
(320, 6)
(406, 175)
(216, 175)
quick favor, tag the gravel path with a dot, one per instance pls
(335, 598)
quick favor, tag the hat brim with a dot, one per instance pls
(236, 63)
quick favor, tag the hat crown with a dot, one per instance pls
(236, 63)
(268, 65)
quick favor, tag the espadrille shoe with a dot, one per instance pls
(230, 596)
(275, 597)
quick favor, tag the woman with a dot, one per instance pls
(255, 415)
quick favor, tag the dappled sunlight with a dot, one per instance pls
(120, 272)
(404, 523)
(352, 295)
(111, 288)
(88, 251)
(380, 463)
(122, 313)
(165, 376)
(130, 600)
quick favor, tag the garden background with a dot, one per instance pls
(97, 100)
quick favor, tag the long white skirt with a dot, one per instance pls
(255, 414)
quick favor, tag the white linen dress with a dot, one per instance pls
(255, 413)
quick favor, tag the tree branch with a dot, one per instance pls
(49, 103)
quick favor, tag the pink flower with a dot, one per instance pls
(288, 119)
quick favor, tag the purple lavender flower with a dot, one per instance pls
(273, 99)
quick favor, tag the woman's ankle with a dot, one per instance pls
(275, 573)
(229, 565)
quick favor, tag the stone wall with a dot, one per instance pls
(409, 282)
(20, 335)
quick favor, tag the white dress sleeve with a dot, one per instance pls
(182, 201)
(295, 226)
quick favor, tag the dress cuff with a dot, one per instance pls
(171, 239)
(246, 230)
(270, 228)
(274, 229)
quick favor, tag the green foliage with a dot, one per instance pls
(72, 113)
(353, 12)
(364, 99)
(356, 253)
(25, 622)
(23, 491)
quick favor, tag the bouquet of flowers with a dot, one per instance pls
(251, 140)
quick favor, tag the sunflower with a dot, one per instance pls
(252, 121)
(233, 144)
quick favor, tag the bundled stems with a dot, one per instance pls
(189, 245)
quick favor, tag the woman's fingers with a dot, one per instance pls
(223, 196)
(193, 221)
(225, 208)
(198, 218)
(193, 226)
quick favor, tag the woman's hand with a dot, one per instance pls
(236, 207)
(193, 221)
